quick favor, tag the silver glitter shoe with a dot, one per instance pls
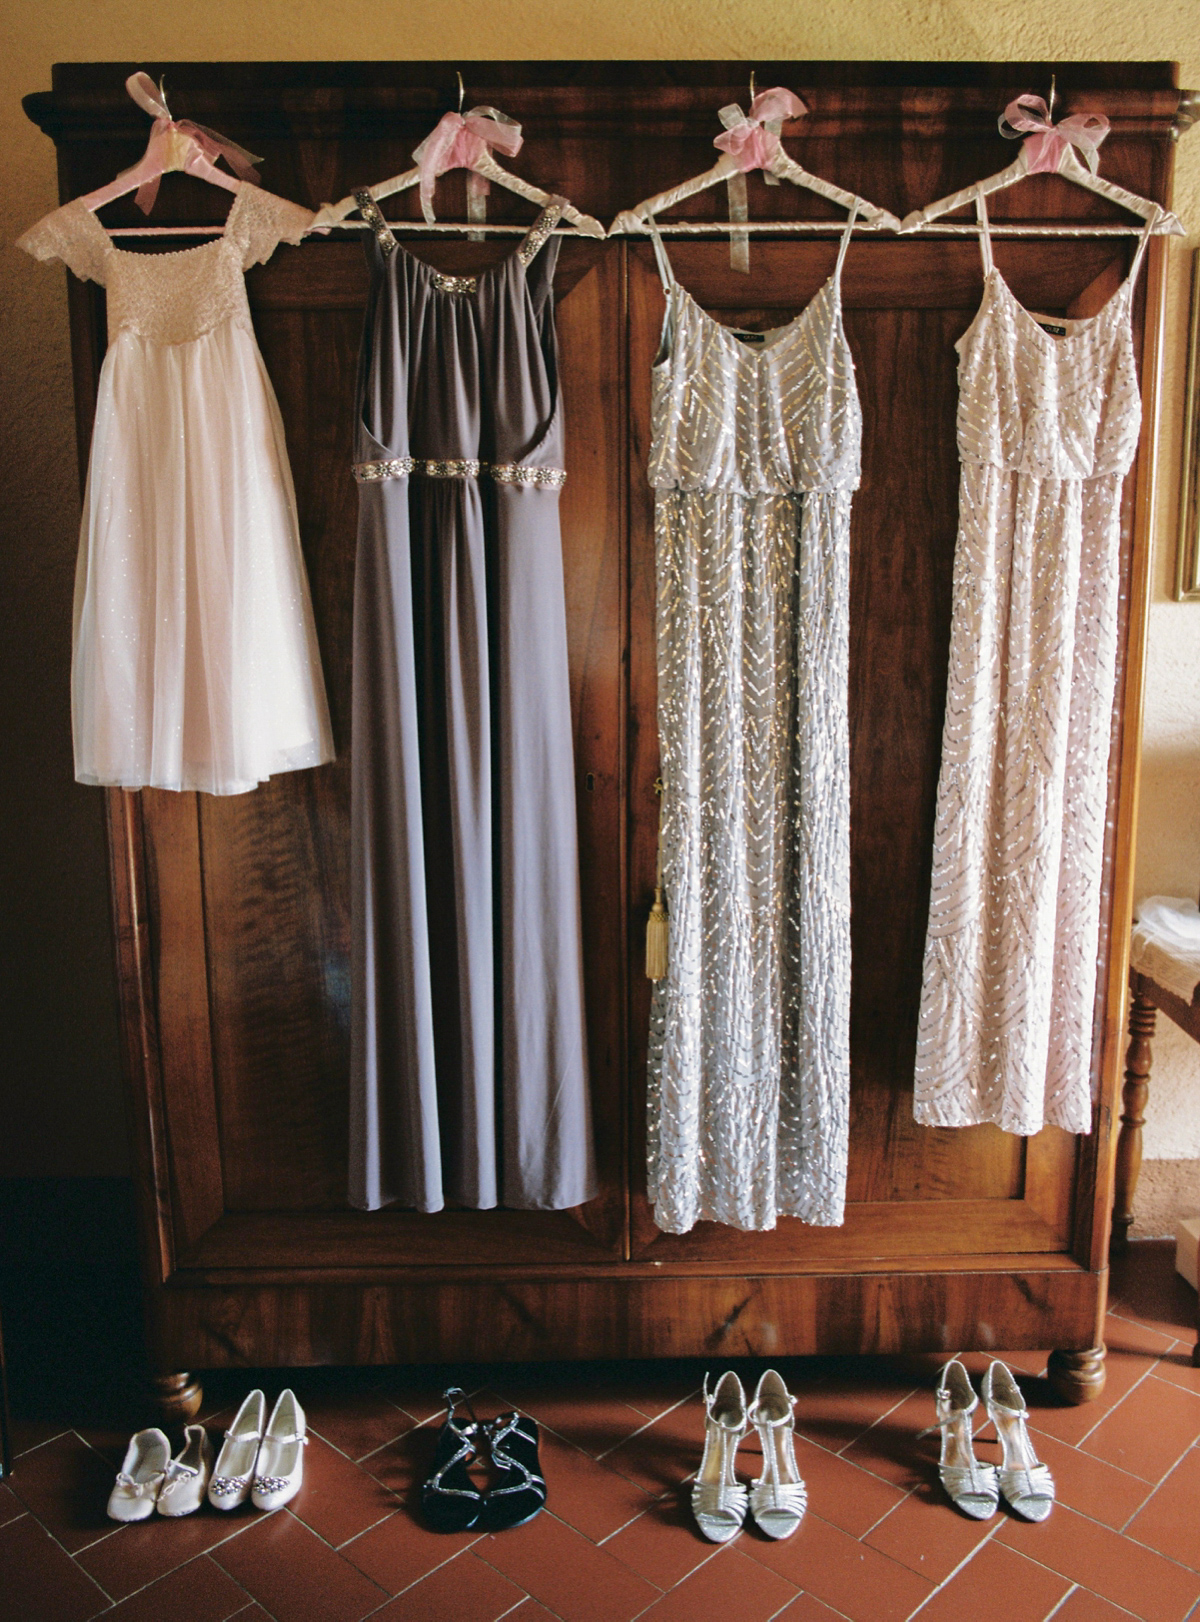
(234, 1469)
(1026, 1483)
(972, 1486)
(779, 1498)
(718, 1498)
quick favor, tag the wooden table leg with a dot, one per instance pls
(1142, 1016)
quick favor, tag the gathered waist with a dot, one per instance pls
(404, 467)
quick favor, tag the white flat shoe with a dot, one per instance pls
(1026, 1483)
(186, 1481)
(280, 1467)
(718, 1497)
(972, 1486)
(779, 1497)
(234, 1469)
(140, 1476)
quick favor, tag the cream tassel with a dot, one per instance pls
(658, 925)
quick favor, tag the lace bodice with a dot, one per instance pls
(171, 298)
(774, 418)
(1055, 407)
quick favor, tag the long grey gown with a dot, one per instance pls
(468, 1058)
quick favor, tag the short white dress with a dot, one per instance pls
(195, 662)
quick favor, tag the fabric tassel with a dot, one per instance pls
(658, 925)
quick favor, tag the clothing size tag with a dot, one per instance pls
(751, 337)
(1053, 328)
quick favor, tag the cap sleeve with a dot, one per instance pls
(74, 235)
(260, 221)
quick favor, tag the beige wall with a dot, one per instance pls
(60, 1109)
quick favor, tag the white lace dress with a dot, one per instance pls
(1048, 425)
(756, 453)
(195, 661)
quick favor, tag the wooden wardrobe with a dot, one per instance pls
(232, 915)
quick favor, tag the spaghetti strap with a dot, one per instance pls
(370, 211)
(660, 254)
(846, 235)
(1143, 244)
(985, 234)
(539, 231)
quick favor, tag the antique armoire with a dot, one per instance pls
(231, 915)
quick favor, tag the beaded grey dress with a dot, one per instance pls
(468, 1063)
(755, 457)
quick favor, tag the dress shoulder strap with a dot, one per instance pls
(985, 233)
(660, 255)
(370, 211)
(846, 235)
(540, 231)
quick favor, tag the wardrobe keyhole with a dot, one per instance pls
(589, 782)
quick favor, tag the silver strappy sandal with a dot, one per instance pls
(779, 1498)
(718, 1497)
(972, 1486)
(1026, 1483)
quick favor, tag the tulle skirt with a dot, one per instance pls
(195, 659)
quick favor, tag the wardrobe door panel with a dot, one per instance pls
(253, 952)
(910, 1189)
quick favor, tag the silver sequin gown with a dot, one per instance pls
(1047, 430)
(755, 455)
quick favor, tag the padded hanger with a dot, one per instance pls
(1050, 149)
(751, 141)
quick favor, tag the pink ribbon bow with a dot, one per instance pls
(206, 145)
(748, 138)
(1048, 142)
(456, 142)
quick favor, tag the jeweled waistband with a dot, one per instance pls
(403, 467)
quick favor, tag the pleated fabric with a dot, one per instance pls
(468, 1056)
(755, 457)
(1048, 424)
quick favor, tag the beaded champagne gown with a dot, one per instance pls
(195, 662)
(755, 457)
(1048, 422)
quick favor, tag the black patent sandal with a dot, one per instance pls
(520, 1489)
(449, 1498)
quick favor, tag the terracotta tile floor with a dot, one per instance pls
(880, 1543)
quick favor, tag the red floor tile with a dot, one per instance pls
(337, 1499)
(197, 1592)
(853, 1578)
(1116, 1568)
(463, 1590)
(146, 1550)
(728, 1585)
(29, 1433)
(570, 1576)
(664, 1544)
(838, 1490)
(66, 1485)
(1149, 1431)
(295, 1576)
(530, 1611)
(653, 1397)
(1144, 1285)
(420, 1402)
(1072, 1424)
(1177, 1367)
(40, 1580)
(807, 1608)
(401, 1550)
(928, 1535)
(997, 1585)
(10, 1505)
(666, 1453)
(594, 1420)
(588, 1496)
(1170, 1522)
(1084, 1607)
(1084, 1482)
(890, 1449)
(835, 1410)
(355, 1422)
(405, 1463)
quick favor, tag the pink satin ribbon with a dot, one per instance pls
(457, 142)
(207, 145)
(1048, 142)
(746, 139)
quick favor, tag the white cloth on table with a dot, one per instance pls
(1166, 943)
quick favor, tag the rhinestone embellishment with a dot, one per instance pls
(268, 1484)
(542, 228)
(224, 1485)
(369, 209)
(403, 467)
(455, 284)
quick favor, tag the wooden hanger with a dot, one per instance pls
(752, 141)
(461, 142)
(1049, 148)
(173, 144)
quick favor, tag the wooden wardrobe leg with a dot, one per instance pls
(177, 1396)
(1142, 1017)
(1077, 1377)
